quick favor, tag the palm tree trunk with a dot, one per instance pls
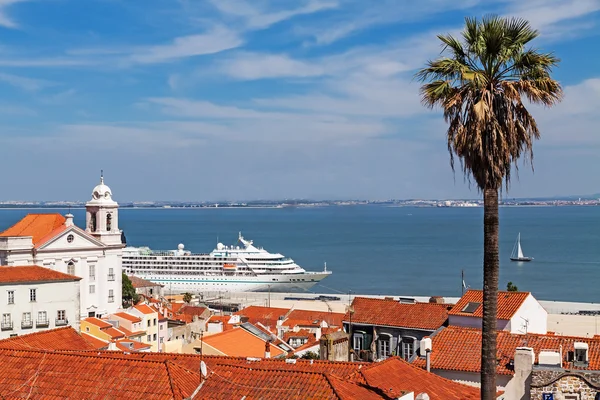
(490, 293)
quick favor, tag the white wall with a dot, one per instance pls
(471, 378)
(50, 297)
(535, 314)
(84, 252)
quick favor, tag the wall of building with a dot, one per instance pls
(150, 325)
(94, 330)
(396, 335)
(471, 378)
(50, 298)
(475, 322)
(582, 385)
(532, 311)
(163, 334)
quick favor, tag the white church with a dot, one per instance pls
(53, 241)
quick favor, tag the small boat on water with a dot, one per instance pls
(517, 252)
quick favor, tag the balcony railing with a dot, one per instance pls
(26, 324)
(111, 299)
(61, 322)
(111, 277)
(42, 323)
(6, 326)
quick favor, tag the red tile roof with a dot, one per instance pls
(395, 375)
(508, 303)
(144, 309)
(42, 375)
(128, 317)
(224, 319)
(130, 334)
(302, 333)
(38, 226)
(240, 343)
(385, 312)
(98, 322)
(459, 349)
(114, 333)
(268, 316)
(131, 345)
(65, 338)
(98, 344)
(33, 273)
(141, 283)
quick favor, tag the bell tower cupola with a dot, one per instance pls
(102, 215)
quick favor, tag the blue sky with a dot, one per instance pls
(236, 99)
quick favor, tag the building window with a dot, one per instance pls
(92, 272)
(71, 268)
(154, 337)
(357, 343)
(32, 294)
(93, 222)
(42, 319)
(160, 327)
(111, 274)
(148, 338)
(92, 289)
(154, 321)
(408, 347)
(6, 322)
(383, 347)
(70, 238)
(11, 297)
(61, 318)
(111, 296)
(26, 320)
(109, 222)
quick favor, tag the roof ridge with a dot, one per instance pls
(272, 370)
(171, 383)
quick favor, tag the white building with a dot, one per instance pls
(94, 254)
(35, 299)
(518, 312)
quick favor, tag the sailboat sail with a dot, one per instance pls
(519, 250)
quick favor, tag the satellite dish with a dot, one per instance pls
(203, 369)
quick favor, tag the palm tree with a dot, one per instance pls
(481, 84)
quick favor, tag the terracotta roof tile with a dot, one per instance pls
(38, 226)
(98, 322)
(114, 333)
(99, 344)
(393, 313)
(459, 349)
(128, 317)
(65, 338)
(240, 343)
(131, 345)
(396, 374)
(302, 333)
(33, 273)
(130, 334)
(508, 304)
(144, 309)
(141, 283)
(224, 319)
(268, 316)
(42, 375)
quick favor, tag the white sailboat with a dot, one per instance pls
(517, 252)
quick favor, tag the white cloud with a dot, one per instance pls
(262, 17)
(5, 20)
(258, 66)
(21, 82)
(545, 14)
(13, 110)
(214, 41)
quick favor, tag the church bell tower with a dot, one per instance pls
(102, 215)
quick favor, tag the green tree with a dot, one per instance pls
(310, 355)
(480, 82)
(511, 287)
(130, 297)
(187, 297)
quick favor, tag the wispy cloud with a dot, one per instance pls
(21, 82)
(5, 20)
(252, 66)
(256, 17)
(214, 41)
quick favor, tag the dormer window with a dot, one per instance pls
(581, 353)
(471, 307)
(70, 238)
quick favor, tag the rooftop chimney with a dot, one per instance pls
(69, 219)
(267, 349)
(425, 348)
(422, 396)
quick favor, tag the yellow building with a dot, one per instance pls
(149, 318)
(100, 329)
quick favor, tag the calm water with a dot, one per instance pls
(384, 250)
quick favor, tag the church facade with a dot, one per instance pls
(94, 254)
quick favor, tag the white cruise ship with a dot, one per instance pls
(238, 268)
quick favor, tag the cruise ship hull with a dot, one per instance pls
(262, 283)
